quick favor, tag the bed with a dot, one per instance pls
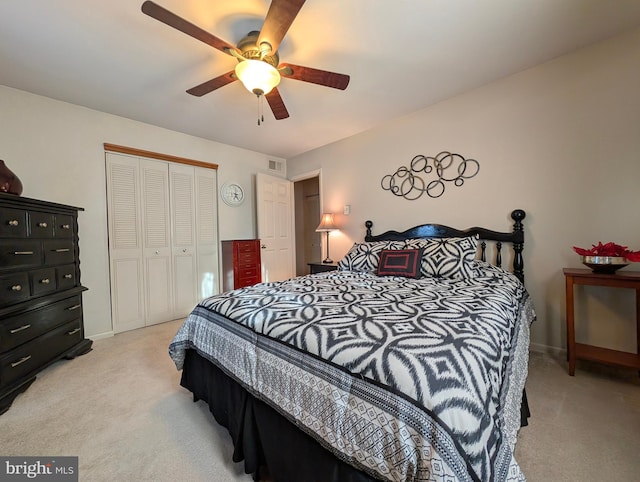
(406, 363)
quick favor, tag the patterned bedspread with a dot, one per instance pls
(406, 379)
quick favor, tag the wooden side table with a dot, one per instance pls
(623, 279)
(322, 267)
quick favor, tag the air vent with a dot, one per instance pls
(275, 165)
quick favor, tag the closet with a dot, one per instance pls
(163, 240)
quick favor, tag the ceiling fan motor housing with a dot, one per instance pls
(248, 45)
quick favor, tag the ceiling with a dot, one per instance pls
(402, 56)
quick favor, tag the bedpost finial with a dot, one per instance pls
(518, 215)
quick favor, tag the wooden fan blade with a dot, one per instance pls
(315, 76)
(213, 84)
(277, 105)
(172, 20)
(279, 18)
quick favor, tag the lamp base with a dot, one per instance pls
(327, 261)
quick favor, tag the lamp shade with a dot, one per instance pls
(327, 223)
(258, 76)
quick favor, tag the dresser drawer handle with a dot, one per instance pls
(13, 222)
(42, 225)
(73, 332)
(62, 250)
(68, 276)
(23, 253)
(22, 328)
(45, 281)
(74, 307)
(66, 226)
(21, 361)
(16, 288)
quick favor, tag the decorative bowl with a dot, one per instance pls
(605, 264)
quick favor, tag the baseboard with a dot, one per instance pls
(100, 336)
(550, 350)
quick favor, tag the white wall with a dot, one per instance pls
(561, 141)
(56, 149)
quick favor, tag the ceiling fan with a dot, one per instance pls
(259, 66)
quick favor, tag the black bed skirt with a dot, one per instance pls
(262, 437)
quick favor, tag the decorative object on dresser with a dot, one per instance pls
(9, 182)
(241, 265)
(40, 291)
(322, 267)
(409, 182)
(327, 224)
(607, 258)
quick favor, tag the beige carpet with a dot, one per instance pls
(121, 410)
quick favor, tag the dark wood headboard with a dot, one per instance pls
(515, 238)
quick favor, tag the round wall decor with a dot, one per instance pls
(232, 194)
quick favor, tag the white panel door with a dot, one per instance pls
(125, 243)
(156, 240)
(208, 282)
(275, 221)
(183, 238)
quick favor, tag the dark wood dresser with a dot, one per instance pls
(241, 265)
(40, 291)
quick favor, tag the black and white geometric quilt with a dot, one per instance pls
(406, 379)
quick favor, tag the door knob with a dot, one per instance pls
(263, 246)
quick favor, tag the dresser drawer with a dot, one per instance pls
(243, 273)
(31, 356)
(13, 223)
(58, 252)
(66, 276)
(18, 329)
(14, 288)
(63, 226)
(20, 254)
(247, 246)
(247, 259)
(40, 224)
(43, 281)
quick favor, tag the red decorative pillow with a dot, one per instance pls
(400, 262)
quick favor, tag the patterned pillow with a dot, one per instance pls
(365, 256)
(400, 262)
(446, 257)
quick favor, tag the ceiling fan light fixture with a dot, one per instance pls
(258, 76)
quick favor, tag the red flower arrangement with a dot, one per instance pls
(609, 249)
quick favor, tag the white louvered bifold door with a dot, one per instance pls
(208, 282)
(125, 243)
(183, 238)
(156, 239)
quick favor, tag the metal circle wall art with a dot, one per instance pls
(411, 182)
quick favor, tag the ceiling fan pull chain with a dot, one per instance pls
(260, 110)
